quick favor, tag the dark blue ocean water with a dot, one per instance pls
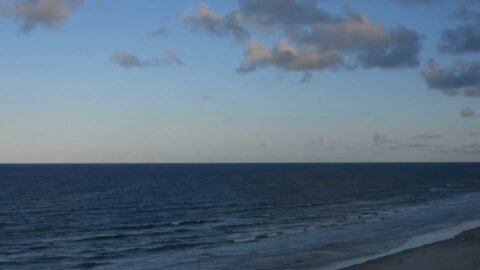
(223, 216)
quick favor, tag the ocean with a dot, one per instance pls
(224, 216)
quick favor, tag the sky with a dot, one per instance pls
(87, 81)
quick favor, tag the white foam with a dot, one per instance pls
(414, 242)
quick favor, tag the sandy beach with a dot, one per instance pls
(459, 253)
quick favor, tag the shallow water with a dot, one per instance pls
(225, 216)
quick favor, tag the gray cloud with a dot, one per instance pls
(466, 13)
(128, 60)
(461, 39)
(220, 25)
(418, 145)
(162, 30)
(246, 68)
(377, 138)
(327, 43)
(470, 149)
(426, 136)
(306, 77)
(453, 81)
(416, 2)
(476, 133)
(318, 142)
(285, 13)
(472, 92)
(286, 56)
(172, 58)
(311, 38)
(400, 50)
(263, 145)
(465, 37)
(48, 13)
(467, 112)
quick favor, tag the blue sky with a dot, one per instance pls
(220, 81)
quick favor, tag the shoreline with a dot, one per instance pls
(458, 247)
(333, 254)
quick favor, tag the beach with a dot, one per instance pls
(459, 253)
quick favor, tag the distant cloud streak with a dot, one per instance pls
(426, 136)
(418, 145)
(128, 60)
(377, 138)
(416, 2)
(162, 30)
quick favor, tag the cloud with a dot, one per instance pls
(375, 44)
(172, 58)
(263, 145)
(306, 77)
(418, 145)
(162, 30)
(309, 37)
(205, 98)
(465, 37)
(461, 39)
(245, 68)
(476, 133)
(377, 138)
(416, 2)
(285, 13)
(467, 112)
(426, 136)
(399, 50)
(453, 81)
(472, 92)
(318, 142)
(128, 60)
(286, 56)
(466, 13)
(327, 44)
(470, 149)
(48, 13)
(205, 19)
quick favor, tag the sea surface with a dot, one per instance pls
(223, 216)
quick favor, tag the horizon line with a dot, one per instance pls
(240, 163)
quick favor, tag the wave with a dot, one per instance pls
(253, 237)
(173, 247)
(136, 227)
(105, 237)
(89, 265)
(188, 222)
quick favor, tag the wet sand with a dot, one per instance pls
(459, 253)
